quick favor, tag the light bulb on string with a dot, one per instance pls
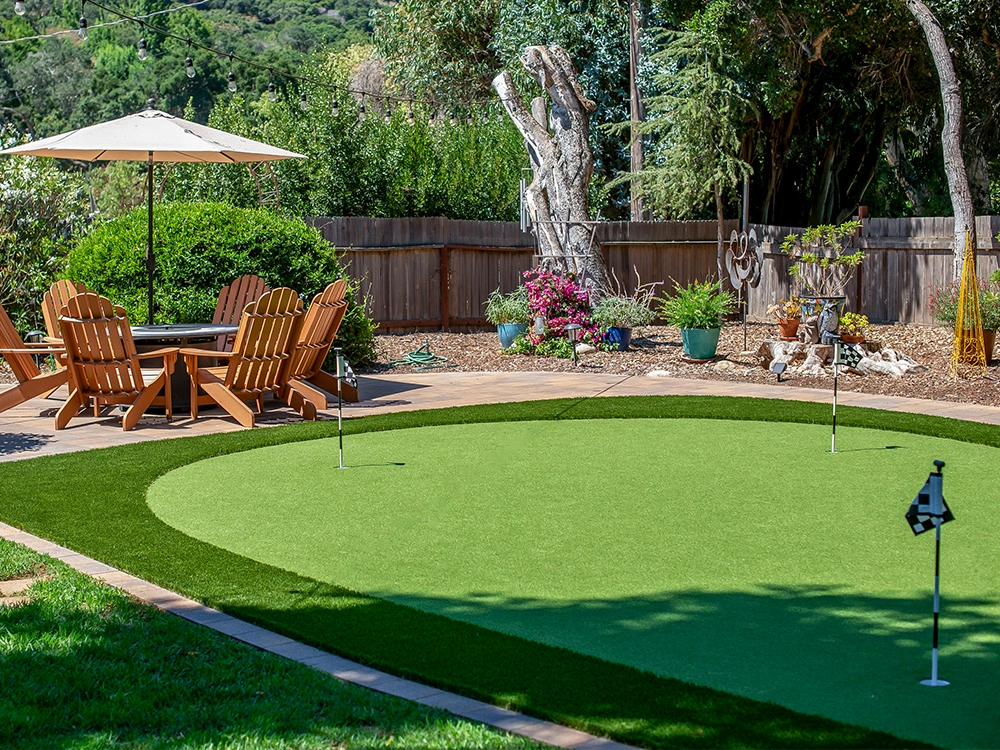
(232, 82)
(468, 118)
(189, 67)
(409, 115)
(388, 112)
(82, 33)
(303, 102)
(272, 93)
(361, 109)
(334, 109)
(451, 119)
(19, 7)
(431, 121)
(142, 49)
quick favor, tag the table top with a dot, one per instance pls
(181, 331)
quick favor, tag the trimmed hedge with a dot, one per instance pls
(200, 248)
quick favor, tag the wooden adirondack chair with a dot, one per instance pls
(260, 362)
(103, 364)
(232, 300)
(55, 300)
(319, 330)
(31, 382)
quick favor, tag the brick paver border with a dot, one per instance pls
(343, 669)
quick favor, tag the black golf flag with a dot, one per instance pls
(928, 505)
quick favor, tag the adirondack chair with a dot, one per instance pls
(55, 300)
(103, 364)
(232, 300)
(319, 329)
(260, 362)
(31, 382)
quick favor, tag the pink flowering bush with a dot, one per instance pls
(561, 301)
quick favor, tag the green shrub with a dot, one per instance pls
(701, 304)
(508, 308)
(201, 247)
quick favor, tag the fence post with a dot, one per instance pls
(445, 287)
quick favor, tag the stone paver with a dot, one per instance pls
(27, 431)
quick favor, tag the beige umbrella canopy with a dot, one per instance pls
(152, 136)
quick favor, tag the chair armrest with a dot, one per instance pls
(169, 351)
(205, 353)
(33, 351)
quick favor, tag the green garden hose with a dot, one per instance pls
(422, 359)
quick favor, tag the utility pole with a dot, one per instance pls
(637, 112)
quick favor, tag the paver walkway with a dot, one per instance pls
(23, 434)
(27, 431)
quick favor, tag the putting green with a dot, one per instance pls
(738, 555)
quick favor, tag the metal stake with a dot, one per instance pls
(836, 372)
(938, 510)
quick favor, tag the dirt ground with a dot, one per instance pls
(659, 348)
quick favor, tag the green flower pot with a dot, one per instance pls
(700, 343)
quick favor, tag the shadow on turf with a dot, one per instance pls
(815, 649)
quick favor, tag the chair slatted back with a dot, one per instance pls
(263, 347)
(100, 352)
(319, 329)
(23, 365)
(235, 297)
(55, 300)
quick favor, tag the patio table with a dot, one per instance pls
(196, 335)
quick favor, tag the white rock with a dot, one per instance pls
(658, 374)
(584, 349)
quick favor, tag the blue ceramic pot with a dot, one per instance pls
(619, 335)
(700, 343)
(510, 331)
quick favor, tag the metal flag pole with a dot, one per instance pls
(937, 513)
(836, 360)
(340, 402)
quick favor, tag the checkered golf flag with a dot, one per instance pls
(849, 356)
(921, 513)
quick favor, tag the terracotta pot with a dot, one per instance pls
(849, 339)
(788, 328)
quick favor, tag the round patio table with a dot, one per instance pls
(191, 335)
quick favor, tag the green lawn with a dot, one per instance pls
(781, 573)
(84, 665)
(96, 502)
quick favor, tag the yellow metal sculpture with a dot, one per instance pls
(968, 354)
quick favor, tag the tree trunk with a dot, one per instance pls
(951, 133)
(637, 113)
(561, 163)
(720, 217)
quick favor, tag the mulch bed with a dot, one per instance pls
(659, 348)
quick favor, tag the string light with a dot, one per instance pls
(451, 119)
(142, 43)
(272, 93)
(388, 111)
(189, 67)
(409, 115)
(82, 33)
(468, 118)
(19, 8)
(431, 121)
(361, 109)
(303, 102)
(334, 109)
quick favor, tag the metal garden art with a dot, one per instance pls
(744, 258)
(821, 268)
(968, 353)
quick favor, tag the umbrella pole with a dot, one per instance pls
(150, 260)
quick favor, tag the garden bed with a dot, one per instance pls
(660, 349)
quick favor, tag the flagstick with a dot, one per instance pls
(939, 511)
(340, 403)
(836, 358)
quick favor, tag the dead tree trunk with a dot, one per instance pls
(561, 163)
(951, 133)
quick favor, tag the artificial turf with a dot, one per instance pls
(95, 502)
(84, 665)
(782, 573)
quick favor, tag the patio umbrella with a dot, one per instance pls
(152, 136)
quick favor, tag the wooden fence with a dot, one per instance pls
(437, 273)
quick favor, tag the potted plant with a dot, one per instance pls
(697, 310)
(821, 266)
(509, 313)
(944, 308)
(617, 314)
(853, 328)
(787, 313)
